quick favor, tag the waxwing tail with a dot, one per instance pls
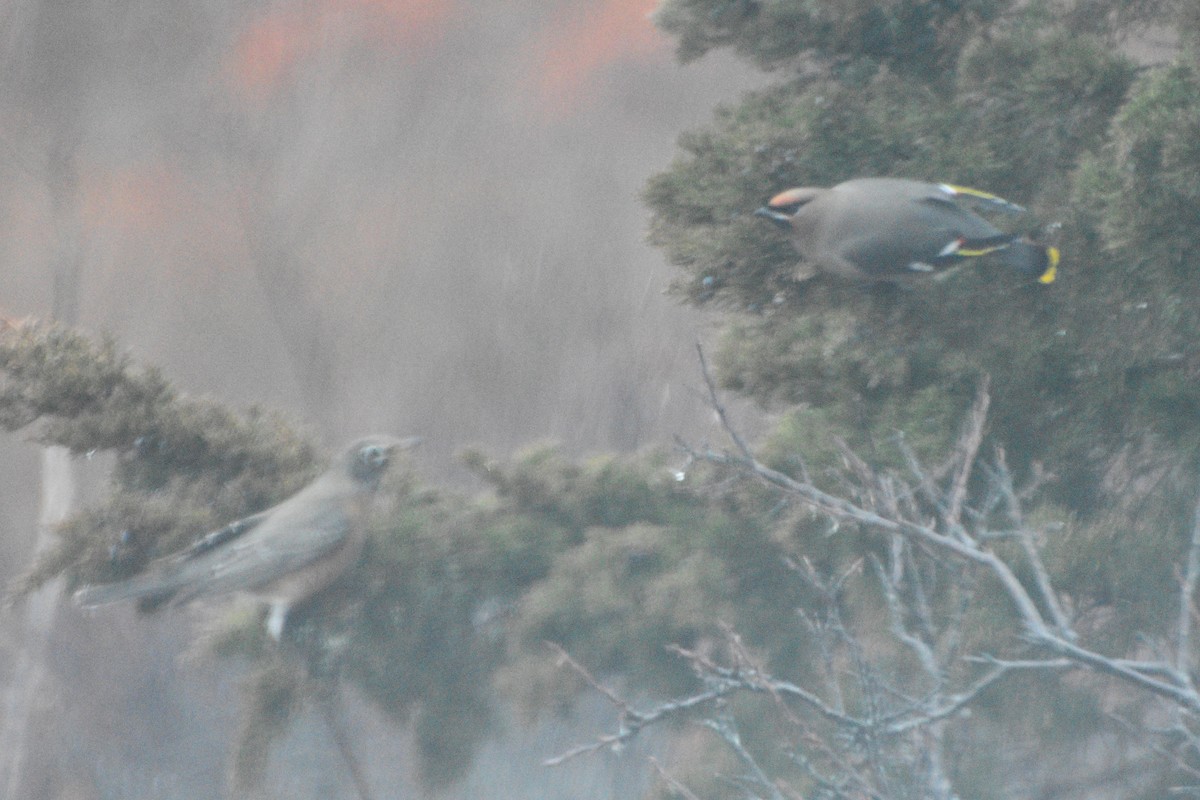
(1038, 262)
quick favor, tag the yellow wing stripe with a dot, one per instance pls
(982, 195)
(982, 251)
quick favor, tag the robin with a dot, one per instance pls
(885, 229)
(285, 554)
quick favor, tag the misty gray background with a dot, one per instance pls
(414, 217)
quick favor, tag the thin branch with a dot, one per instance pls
(672, 782)
(1187, 593)
(920, 648)
(758, 682)
(715, 400)
(926, 483)
(1025, 663)
(744, 657)
(328, 704)
(1036, 627)
(1025, 537)
(1139, 735)
(632, 721)
(565, 658)
(726, 728)
(952, 704)
(920, 599)
(840, 508)
(1183, 695)
(968, 451)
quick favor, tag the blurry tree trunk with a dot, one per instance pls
(293, 308)
(57, 495)
(29, 673)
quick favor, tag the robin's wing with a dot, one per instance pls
(220, 536)
(296, 533)
(159, 579)
(246, 553)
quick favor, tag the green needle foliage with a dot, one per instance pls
(1091, 376)
(613, 558)
(1093, 379)
(1093, 396)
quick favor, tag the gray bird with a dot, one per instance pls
(284, 554)
(885, 229)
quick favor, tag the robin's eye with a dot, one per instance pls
(372, 456)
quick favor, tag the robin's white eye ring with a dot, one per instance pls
(372, 455)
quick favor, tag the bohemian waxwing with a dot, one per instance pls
(886, 229)
(284, 554)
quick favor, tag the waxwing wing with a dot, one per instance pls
(888, 229)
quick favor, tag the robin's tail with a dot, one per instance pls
(151, 590)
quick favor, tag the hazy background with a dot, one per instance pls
(416, 216)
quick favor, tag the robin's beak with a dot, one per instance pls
(405, 444)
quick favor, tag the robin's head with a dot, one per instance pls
(368, 458)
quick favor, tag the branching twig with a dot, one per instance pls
(717, 406)
(1164, 753)
(756, 682)
(725, 727)
(1037, 629)
(672, 781)
(1029, 548)
(632, 721)
(968, 452)
(565, 658)
(884, 737)
(328, 703)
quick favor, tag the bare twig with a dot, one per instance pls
(1029, 548)
(920, 648)
(756, 682)
(1184, 659)
(632, 721)
(1037, 629)
(725, 727)
(328, 702)
(1139, 733)
(968, 451)
(717, 406)
(885, 737)
(672, 781)
(565, 658)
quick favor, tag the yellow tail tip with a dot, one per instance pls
(1052, 267)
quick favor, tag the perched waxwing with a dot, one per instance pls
(887, 229)
(284, 554)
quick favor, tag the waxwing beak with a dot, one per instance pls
(777, 217)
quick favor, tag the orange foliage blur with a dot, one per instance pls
(271, 46)
(591, 37)
(145, 197)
